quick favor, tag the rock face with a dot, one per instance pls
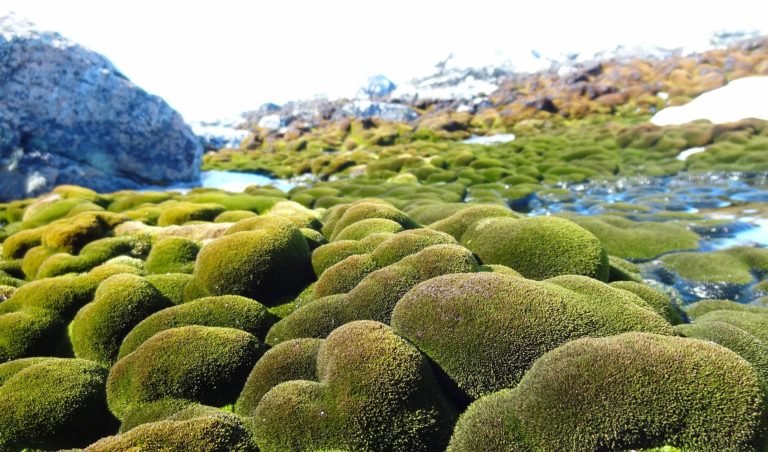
(67, 115)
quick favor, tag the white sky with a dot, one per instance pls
(210, 59)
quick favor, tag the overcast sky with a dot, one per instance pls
(210, 59)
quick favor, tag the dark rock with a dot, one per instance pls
(69, 116)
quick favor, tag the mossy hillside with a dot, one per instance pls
(269, 263)
(651, 389)
(120, 303)
(484, 330)
(734, 265)
(538, 247)
(197, 363)
(290, 360)
(637, 240)
(172, 255)
(218, 431)
(53, 404)
(397, 404)
(230, 311)
(375, 296)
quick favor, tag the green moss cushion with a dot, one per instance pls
(753, 323)
(332, 253)
(484, 330)
(343, 276)
(698, 309)
(458, 223)
(745, 344)
(651, 391)
(638, 240)
(120, 303)
(363, 228)
(291, 360)
(197, 363)
(53, 404)
(406, 243)
(375, 296)
(363, 210)
(538, 247)
(33, 321)
(170, 285)
(231, 311)
(656, 300)
(270, 263)
(219, 432)
(374, 391)
(734, 265)
(172, 255)
(183, 212)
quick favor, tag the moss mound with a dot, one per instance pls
(734, 265)
(230, 311)
(538, 247)
(219, 432)
(637, 240)
(698, 309)
(197, 363)
(343, 216)
(170, 285)
(269, 263)
(375, 392)
(375, 296)
(652, 391)
(53, 404)
(745, 344)
(755, 324)
(363, 228)
(184, 212)
(33, 321)
(485, 330)
(120, 303)
(325, 256)
(172, 255)
(291, 360)
(461, 221)
(660, 302)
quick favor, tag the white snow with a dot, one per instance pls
(683, 156)
(739, 99)
(490, 139)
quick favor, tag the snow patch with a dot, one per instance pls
(490, 139)
(683, 156)
(739, 99)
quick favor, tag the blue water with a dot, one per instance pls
(237, 181)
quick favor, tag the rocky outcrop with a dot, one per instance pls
(67, 115)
